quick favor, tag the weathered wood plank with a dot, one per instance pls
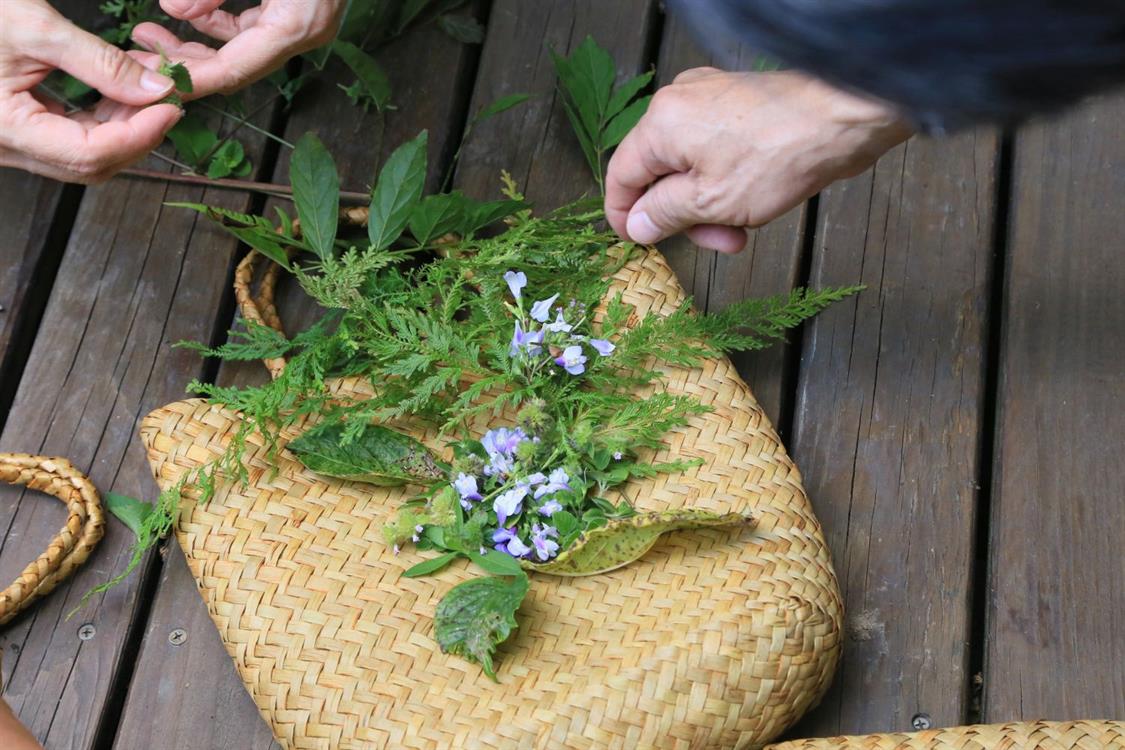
(534, 142)
(888, 424)
(769, 265)
(190, 696)
(135, 278)
(1055, 644)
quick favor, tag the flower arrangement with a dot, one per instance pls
(461, 313)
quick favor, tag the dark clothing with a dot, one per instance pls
(946, 63)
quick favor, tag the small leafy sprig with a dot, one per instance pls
(600, 112)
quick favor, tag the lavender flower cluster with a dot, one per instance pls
(535, 333)
(521, 503)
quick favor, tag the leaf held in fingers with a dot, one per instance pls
(316, 191)
(129, 510)
(379, 456)
(623, 540)
(397, 191)
(477, 615)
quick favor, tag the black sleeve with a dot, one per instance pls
(946, 63)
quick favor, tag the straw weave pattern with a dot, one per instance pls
(714, 639)
(1031, 735)
(84, 527)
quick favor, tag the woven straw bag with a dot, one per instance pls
(715, 639)
(1030, 735)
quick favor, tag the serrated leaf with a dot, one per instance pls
(316, 192)
(503, 104)
(379, 456)
(192, 138)
(625, 121)
(433, 565)
(396, 192)
(227, 158)
(129, 510)
(464, 29)
(264, 241)
(621, 541)
(624, 93)
(477, 615)
(369, 74)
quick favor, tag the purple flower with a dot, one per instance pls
(617, 456)
(541, 310)
(466, 486)
(502, 441)
(533, 479)
(517, 280)
(529, 340)
(572, 360)
(559, 326)
(545, 547)
(506, 540)
(509, 503)
(558, 480)
(550, 508)
(603, 347)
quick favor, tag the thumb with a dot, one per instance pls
(108, 69)
(666, 208)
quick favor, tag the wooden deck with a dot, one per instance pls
(960, 425)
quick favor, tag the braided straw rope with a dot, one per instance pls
(84, 527)
(1032, 735)
(713, 639)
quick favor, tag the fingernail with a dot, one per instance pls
(641, 229)
(154, 82)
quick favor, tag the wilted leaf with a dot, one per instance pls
(477, 615)
(623, 540)
(316, 191)
(379, 456)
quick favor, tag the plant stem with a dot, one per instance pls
(279, 191)
(245, 122)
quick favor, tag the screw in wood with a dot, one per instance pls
(87, 631)
(177, 636)
(921, 721)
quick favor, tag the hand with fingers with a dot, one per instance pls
(256, 42)
(719, 152)
(36, 133)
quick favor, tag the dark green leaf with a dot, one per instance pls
(129, 510)
(226, 159)
(364, 17)
(436, 215)
(464, 29)
(371, 77)
(264, 241)
(396, 192)
(620, 126)
(585, 139)
(624, 93)
(316, 191)
(502, 104)
(433, 565)
(379, 456)
(193, 139)
(497, 563)
(480, 215)
(477, 615)
(411, 9)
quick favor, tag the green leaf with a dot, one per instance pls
(378, 456)
(193, 139)
(371, 76)
(396, 192)
(436, 215)
(433, 565)
(464, 29)
(264, 241)
(129, 510)
(503, 104)
(477, 615)
(624, 93)
(227, 159)
(620, 126)
(411, 9)
(497, 563)
(623, 540)
(316, 191)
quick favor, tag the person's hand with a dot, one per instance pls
(717, 153)
(257, 41)
(37, 135)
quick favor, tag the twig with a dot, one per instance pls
(269, 188)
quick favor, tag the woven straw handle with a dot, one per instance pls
(260, 307)
(83, 530)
